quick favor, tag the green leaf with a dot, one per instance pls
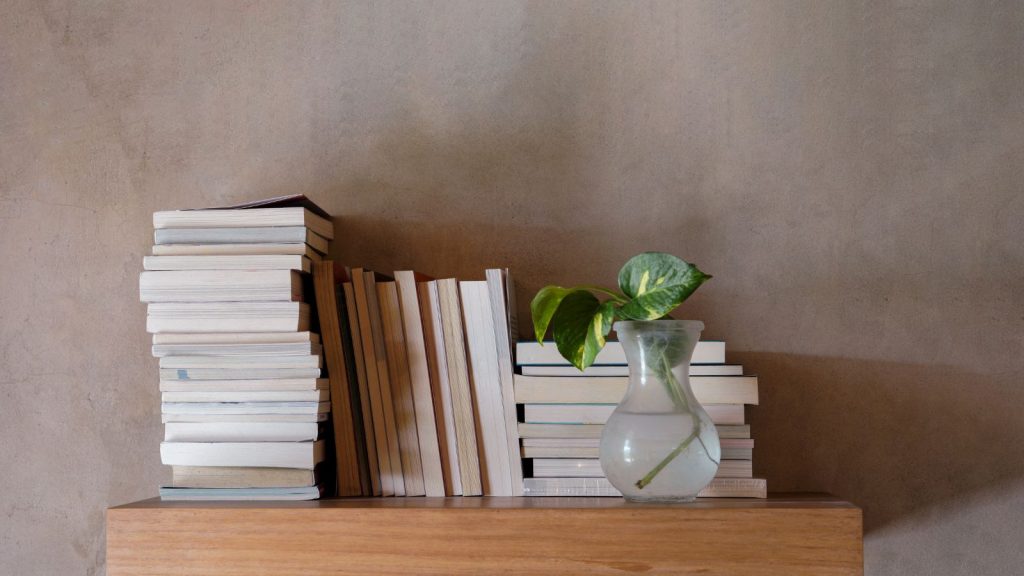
(543, 308)
(580, 325)
(656, 283)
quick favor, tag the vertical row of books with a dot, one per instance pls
(564, 411)
(243, 399)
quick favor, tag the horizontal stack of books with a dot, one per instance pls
(243, 399)
(564, 411)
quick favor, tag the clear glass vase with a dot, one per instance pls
(659, 444)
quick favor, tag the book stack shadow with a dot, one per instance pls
(564, 410)
(243, 402)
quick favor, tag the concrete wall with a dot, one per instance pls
(850, 172)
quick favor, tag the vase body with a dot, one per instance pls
(659, 444)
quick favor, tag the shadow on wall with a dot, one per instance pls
(896, 439)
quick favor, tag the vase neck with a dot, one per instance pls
(659, 353)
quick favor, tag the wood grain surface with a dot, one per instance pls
(783, 535)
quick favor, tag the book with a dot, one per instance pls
(527, 430)
(323, 395)
(242, 431)
(317, 417)
(223, 408)
(203, 494)
(220, 286)
(262, 454)
(718, 488)
(733, 443)
(458, 383)
(346, 449)
(383, 434)
(496, 476)
(594, 452)
(401, 387)
(599, 413)
(706, 352)
(295, 248)
(281, 385)
(245, 218)
(365, 412)
(591, 468)
(205, 317)
(611, 389)
(242, 477)
(419, 379)
(501, 292)
(622, 370)
(437, 364)
(240, 339)
(234, 236)
(311, 346)
(247, 262)
(237, 373)
(257, 362)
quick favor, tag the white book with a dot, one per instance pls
(599, 413)
(237, 373)
(747, 443)
(242, 362)
(241, 494)
(258, 396)
(594, 452)
(621, 370)
(707, 352)
(221, 262)
(419, 380)
(220, 286)
(568, 487)
(264, 235)
(437, 363)
(611, 389)
(242, 431)
(236, 338)
(295, 248)
(268, 350)
(591, 468)
(247, 218)
(304, 408)
(320, 417)
(527, 430)
(234, 317)
(263, 454)
(274, 385)
(486, 383)
(501, 294)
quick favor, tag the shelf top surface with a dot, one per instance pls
(774, 501)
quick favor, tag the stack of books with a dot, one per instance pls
(243, 397)
(564, 411)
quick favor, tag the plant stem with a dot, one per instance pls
(617, 297)
(679, 399)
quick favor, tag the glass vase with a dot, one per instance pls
(659, 444)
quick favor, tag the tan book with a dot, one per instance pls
(260, 454)
(594, 430)
(458, 381)
(240, 477)
(401, 387)
(346, 449)
(437, 364)
(419, 378)
(611, 389)
(501, 292)
(389, 476)
(295, 248)
(366, 412)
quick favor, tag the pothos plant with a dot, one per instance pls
(651, 285)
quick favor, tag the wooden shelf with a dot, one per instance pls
(785, 534)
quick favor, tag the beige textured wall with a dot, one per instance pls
(850, 172)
